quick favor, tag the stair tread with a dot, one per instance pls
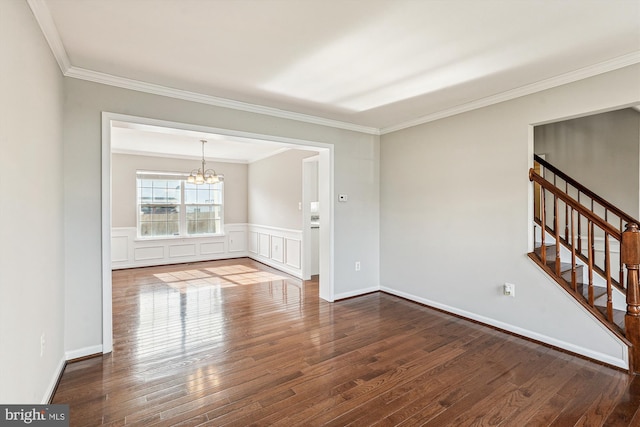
(550, 252)
(598, 291)
(618, 315)
(564, 266)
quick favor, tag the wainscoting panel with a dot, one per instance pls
(129, 252)
(253, 242)
(294, 253)
(237, 241)
(119, 248)
(279, 248)
(182, 250)
(264, 245)
(212, 248)
(148, 253)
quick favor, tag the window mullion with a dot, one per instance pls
(183, 211)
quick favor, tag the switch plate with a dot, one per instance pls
(343, 198)
(509, 290)
(357, 265)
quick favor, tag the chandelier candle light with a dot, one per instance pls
(204, 176)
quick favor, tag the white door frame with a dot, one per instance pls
(306, 214)
(326, 174)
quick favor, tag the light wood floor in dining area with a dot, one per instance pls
(236, 343)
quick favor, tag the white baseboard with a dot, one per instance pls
(622, 362)
(356, 293)
(83, 352)
(69, 355)
(277, 265)
(51, 388)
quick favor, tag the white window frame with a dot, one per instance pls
(183, 229)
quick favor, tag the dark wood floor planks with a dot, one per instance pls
(236, 343)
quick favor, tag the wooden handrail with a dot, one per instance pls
(582, 210)
(584, 190)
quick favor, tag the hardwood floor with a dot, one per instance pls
(236, 343)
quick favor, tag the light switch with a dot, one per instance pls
(343, 198)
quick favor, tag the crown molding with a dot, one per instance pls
(48, 27)
(570, 77)
(140, 86)
(137, 85)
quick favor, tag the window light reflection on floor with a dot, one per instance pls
(225, 276)
(184, 308)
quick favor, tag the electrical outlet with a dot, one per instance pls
(42, 341)
(509, 290)
(357, 265)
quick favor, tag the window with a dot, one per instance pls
(169, 206)
(203, 203)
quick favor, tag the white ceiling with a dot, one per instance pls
(374, 65)
(151, 140)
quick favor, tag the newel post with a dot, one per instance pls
(630, 256)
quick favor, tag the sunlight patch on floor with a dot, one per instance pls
(224, 277)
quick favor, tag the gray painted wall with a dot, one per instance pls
(601, 151)
(356, 160)
(456, 214)
(275, 189)
(31, 210)
(123, 182)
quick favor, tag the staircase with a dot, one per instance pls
(591, 249)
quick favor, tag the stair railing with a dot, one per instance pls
(576, 220)
(587, 198)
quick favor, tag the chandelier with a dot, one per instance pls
(204, 176)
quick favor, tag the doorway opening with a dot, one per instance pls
(321, 152)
